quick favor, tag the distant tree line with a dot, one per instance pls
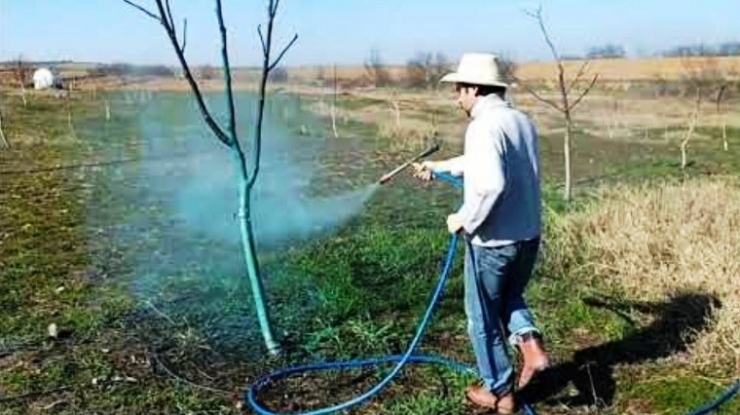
(424, 70)
(127, 69)
(615, 51)
(723, 49)
(609, 51)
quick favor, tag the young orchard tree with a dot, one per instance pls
(376, 71)
(227, 135)
(21, 71)
(567, 103)
(3, 140)
(703, 77)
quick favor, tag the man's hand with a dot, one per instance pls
(454, 223)
(423, 170)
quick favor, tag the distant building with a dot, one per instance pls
(44, 78)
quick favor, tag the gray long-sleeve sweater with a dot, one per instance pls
(500, 166)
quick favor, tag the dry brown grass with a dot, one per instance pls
(608, 69)
(631, 69)
(409, 134)
(654, 241)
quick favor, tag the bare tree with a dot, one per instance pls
(21, 71)
(228, 136)
(3, 140)
(723, 117)
(375, 70)
(692, 126)
(334, 102)
(425, 69)
(703, 76)
(566, 105)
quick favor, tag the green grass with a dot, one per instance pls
(355, 103)
(358, 292)
(669, 391)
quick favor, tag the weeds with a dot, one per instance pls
(653, 241)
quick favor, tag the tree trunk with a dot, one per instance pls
(250, 255)
(23, 95)
(690, 132)
(334, 103)
(723, 118)
(71, 124)
(685, 143)
(3, 141)
(396, 111)
(724, 134)
(566, 156)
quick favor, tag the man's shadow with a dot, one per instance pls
(591, 371)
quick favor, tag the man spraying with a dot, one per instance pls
(501, 219)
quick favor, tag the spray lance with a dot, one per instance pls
(426, 153)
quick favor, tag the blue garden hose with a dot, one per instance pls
(717, 403)
(400, 360)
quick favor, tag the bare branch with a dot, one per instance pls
(581, 72)
(584, 93)
(538, 15)
(184, 35)
(172, 35)
(541, 98)
(227, 75)
(262, 39)
(273, 8)
(169, 13)
(171, 20)
(534, 14)
(266, 68)
(142, 9)
(285, 49)
(561, 70)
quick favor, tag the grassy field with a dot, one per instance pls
(636, 289)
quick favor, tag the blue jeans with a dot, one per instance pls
(495, 280)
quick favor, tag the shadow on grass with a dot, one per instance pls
(591, 371)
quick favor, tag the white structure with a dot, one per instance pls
(43, 78)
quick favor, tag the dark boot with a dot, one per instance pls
(534, 355)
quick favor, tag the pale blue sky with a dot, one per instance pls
(344, 31)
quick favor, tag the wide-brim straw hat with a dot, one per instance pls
(477, 69)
